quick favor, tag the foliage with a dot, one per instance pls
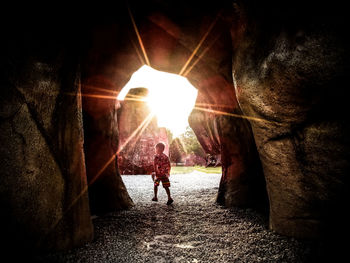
(190, 169)
(185, 144)
(169, 135)
(181, 169)
(191, 144)
(176, 151)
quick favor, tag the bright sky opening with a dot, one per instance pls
(171, 97)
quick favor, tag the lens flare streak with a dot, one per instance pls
(232, 115)
(139, 130)
(201, 56)
(138, 36)
(91, 87)
(199, 45)
(137, 52)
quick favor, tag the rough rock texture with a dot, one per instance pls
(103, 73)
(43, 197)
(290, 64)
(106, 189)
(220, 130)
(138, 134)
(242, 182)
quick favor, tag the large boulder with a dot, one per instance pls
(107, 191)
(218, 124)
(138, 134)
(43, 187)
(290, 65)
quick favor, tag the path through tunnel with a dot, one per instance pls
(193, 229)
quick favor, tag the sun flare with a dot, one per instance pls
(171, 97)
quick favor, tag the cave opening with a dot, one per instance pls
(154, 106)
(117, 65)
(170, 97)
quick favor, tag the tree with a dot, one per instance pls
(176, 151)
(191, 144)
(170, 136)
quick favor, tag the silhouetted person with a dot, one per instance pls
(161, 172)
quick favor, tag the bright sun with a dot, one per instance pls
(171, 97)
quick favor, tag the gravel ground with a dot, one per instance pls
(192, 229)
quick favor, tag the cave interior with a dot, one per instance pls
(271, 100)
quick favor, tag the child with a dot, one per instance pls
(161, 172)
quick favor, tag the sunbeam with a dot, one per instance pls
(201, 56)
(213, 105)
(137, 52)
(138, 36)
(93, 96)
(183, 145)
(101, 89)
(233, 115)
(139, 130)
(199, 44)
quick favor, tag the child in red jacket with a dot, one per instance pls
(161, 172)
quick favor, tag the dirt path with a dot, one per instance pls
(193, 229)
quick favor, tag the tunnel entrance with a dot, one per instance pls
(136, 155)
(142, 42)
(158, 113)
(171, 97)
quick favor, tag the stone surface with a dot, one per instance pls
(106, 189)
(222, 132)
(193, 229)
(138, 134)
(43, 197)
(290, 67)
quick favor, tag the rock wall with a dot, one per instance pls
(138, 134)
(218, 125)
(43, 188)
(107, 191)
(290, 65)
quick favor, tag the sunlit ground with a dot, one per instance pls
(193, 229)
(171, 97)
(190, 169)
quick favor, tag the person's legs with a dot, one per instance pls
(155, 191)
(167, 190)
(156, 183)
(166, 185)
